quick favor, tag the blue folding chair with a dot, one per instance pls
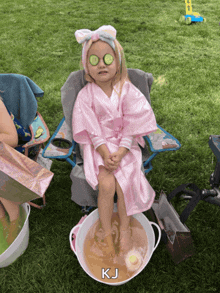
(61, 146)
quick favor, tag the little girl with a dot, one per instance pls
(8, 134)
(110, 118)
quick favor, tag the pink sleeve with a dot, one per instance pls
(96, 140)
(126, 142)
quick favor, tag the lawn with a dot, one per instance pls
(37, 40)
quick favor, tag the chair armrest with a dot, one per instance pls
(61, 145)
(39, 132)
(161, 141)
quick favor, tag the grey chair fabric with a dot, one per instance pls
(82, 192)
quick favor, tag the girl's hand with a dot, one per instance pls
(110, 165)
(113, 160)
(116, 158)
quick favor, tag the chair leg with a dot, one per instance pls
(26, 152)
(85, 210)
(38, 206)
(35, 159)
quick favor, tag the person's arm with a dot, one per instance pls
(123, 151)
(103, 150)
(99, 145)
(96, 140)
(8, 133)
(125, 145)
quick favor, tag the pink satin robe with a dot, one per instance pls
(111, 118)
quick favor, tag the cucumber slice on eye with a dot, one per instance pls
(108, 59)
(94, 60)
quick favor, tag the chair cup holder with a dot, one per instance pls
(67, 144)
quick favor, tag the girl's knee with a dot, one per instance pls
(106, 181)
(107, 185)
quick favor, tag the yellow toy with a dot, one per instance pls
(191, 16)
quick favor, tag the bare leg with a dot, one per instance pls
(11, 207)
(106, 204)
(4, 221)
(125, 232)
(14, 228)
(2, 211)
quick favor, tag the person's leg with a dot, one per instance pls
(106, 204)
(4, 221)
(125, 231)
(2, 211)
(11, 207)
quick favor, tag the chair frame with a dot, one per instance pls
(34, 142)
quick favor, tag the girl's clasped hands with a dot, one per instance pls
(112, 161)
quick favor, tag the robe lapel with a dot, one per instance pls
(110, 103)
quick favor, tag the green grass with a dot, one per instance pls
(37, 40)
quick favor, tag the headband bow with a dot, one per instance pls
(106, 33)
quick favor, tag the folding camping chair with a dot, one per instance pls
(19, 96)
(209, 195)
(61, 145)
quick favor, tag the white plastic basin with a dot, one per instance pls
(20, 244)
(79, 232)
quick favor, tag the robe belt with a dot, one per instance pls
(107, 132)
(117, 133)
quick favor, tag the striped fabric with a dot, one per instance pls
(97, 141)
(126, 142)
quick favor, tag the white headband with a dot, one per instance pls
(106, 33)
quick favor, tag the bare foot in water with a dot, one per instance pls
(109, 247)
(126, 242)
(14, 230)
(105, 243)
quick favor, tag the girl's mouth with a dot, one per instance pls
(103, 72)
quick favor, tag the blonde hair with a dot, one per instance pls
(121, 69)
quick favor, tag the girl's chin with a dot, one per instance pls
(103, 78)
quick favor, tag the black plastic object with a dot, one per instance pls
(62, 140)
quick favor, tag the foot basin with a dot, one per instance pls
(79, 232)
(20, 243)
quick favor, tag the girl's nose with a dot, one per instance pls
(101, 63)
